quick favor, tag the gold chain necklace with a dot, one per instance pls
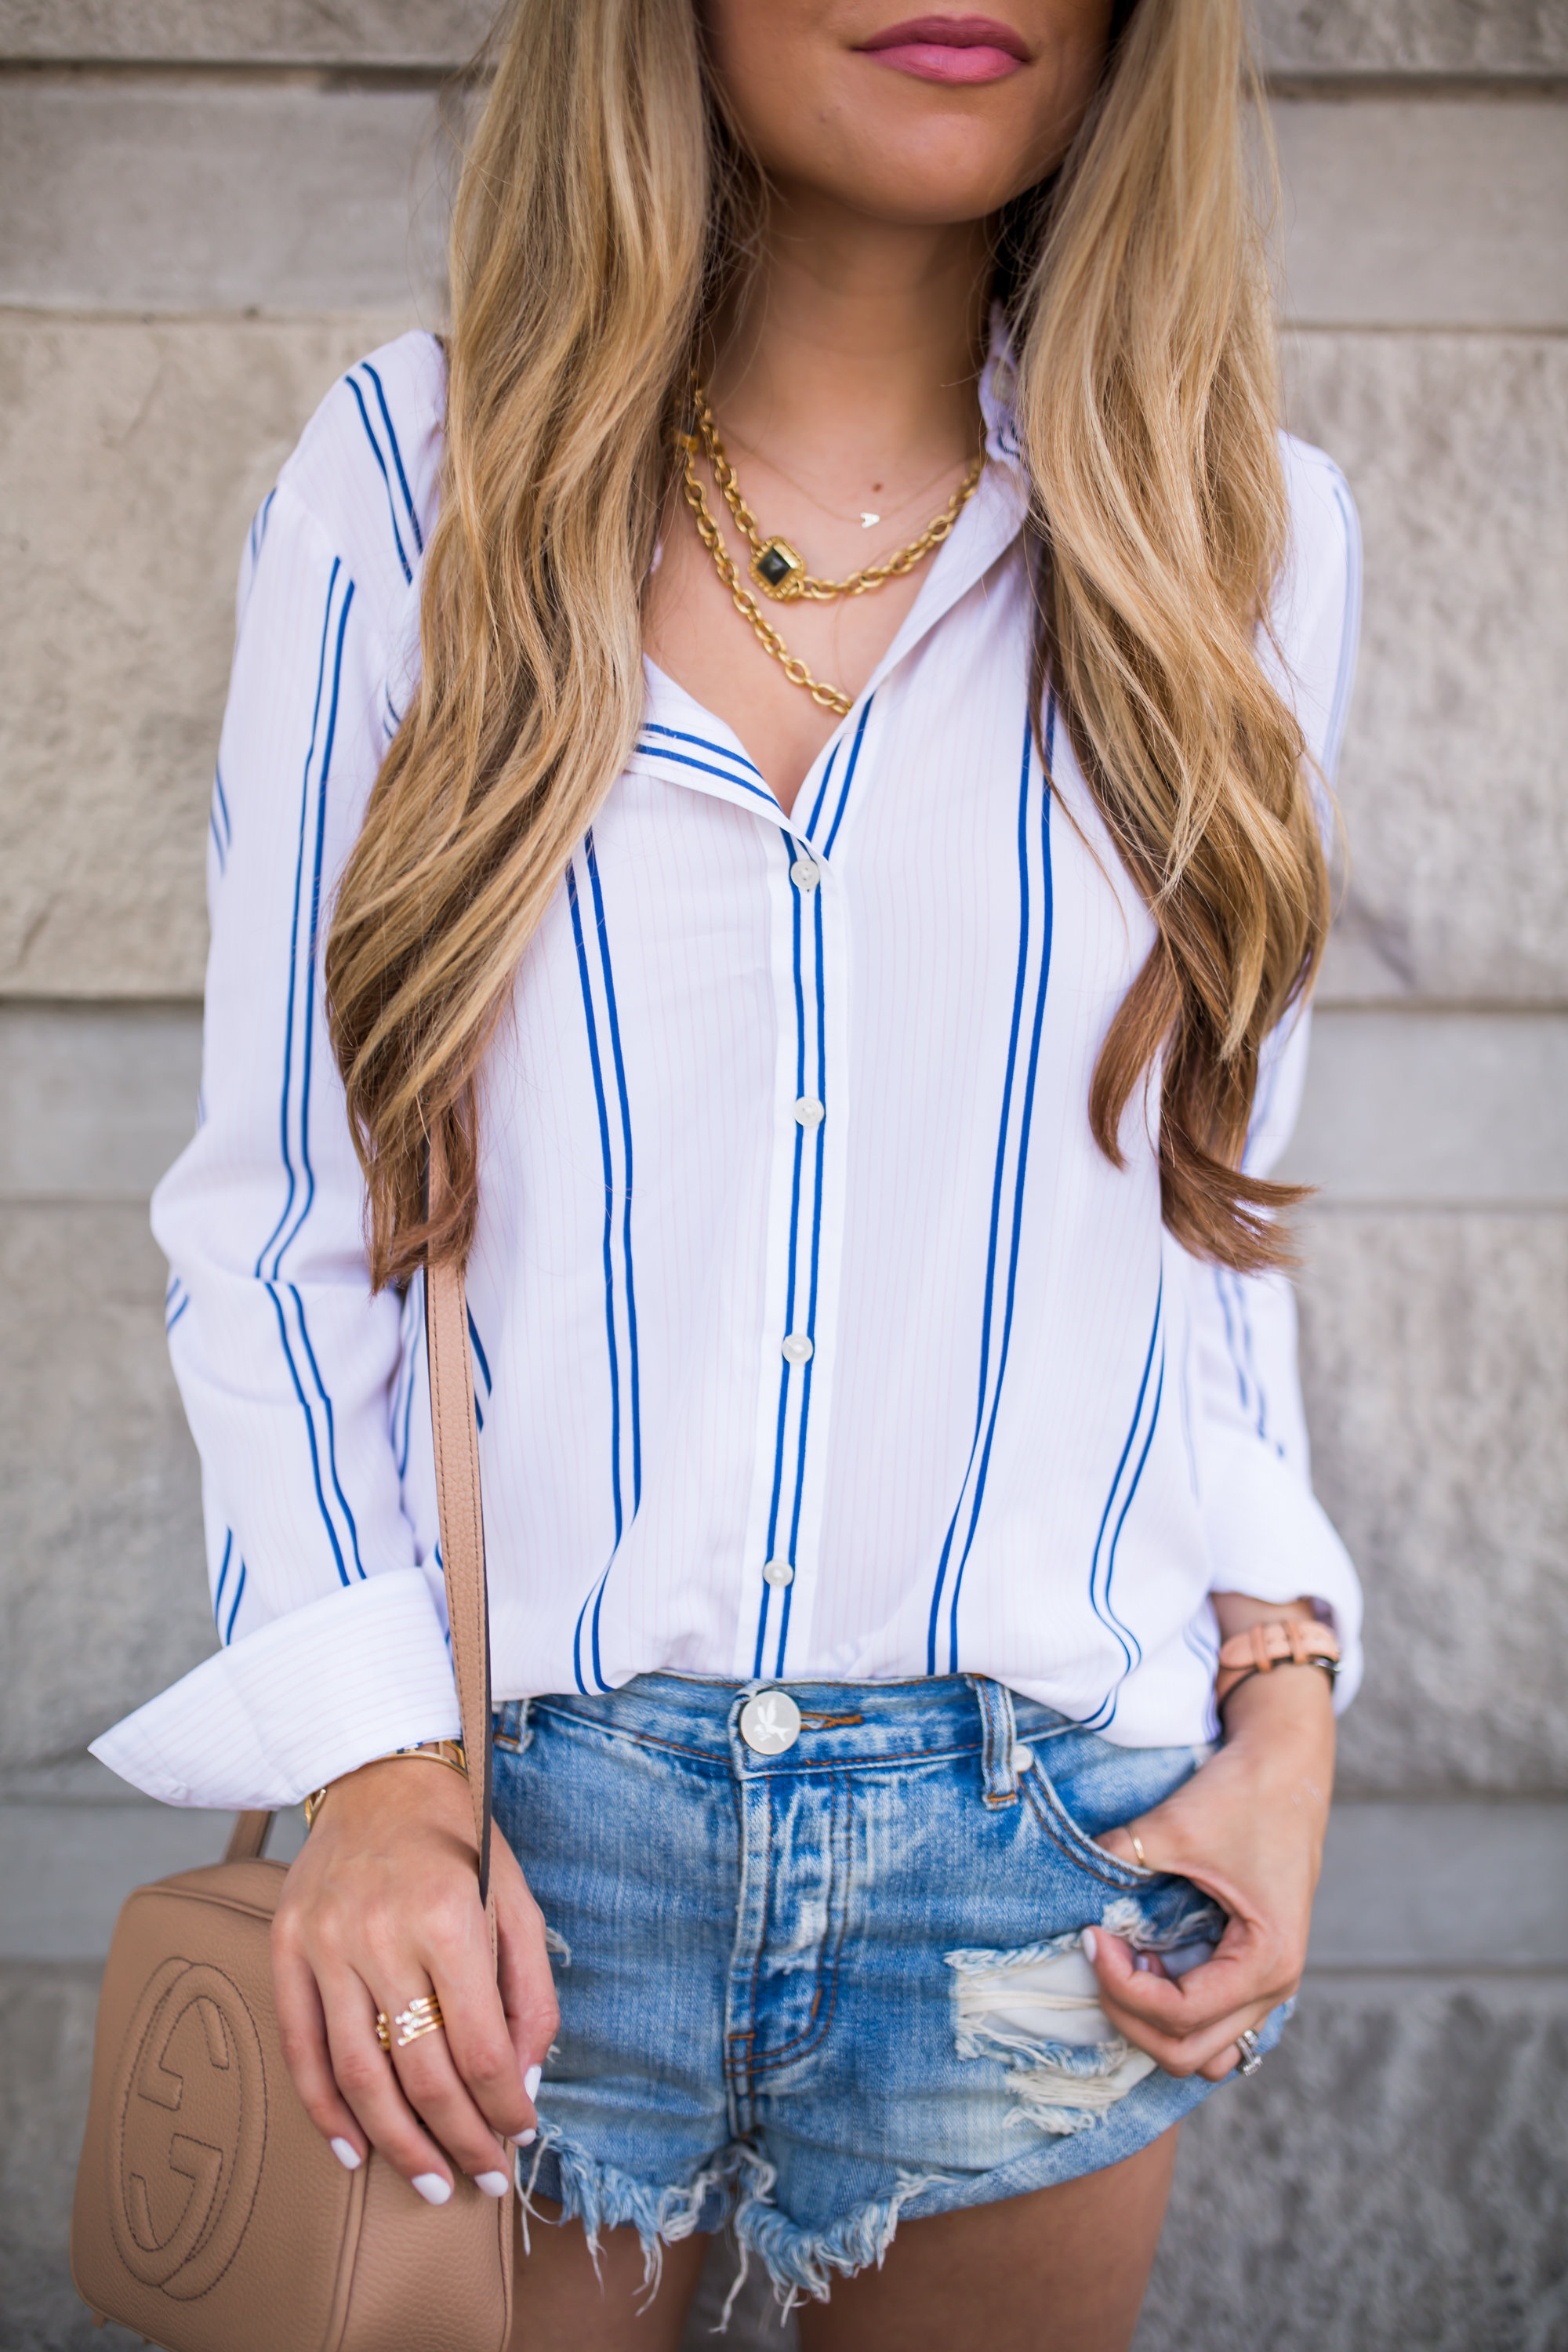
(776, 568)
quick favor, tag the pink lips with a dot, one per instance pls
(949, 48)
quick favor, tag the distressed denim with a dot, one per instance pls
(811, 1992)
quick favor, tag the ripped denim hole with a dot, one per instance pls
(1036, 2008)
(555, 1944)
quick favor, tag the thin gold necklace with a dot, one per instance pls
(775, 566)
(867, 520)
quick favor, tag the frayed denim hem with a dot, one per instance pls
(799, 2262)
(739, 2182)
(603, 2198)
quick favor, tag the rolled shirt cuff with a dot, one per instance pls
(298, 1703)
(1271, 1537)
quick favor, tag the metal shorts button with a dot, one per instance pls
(770, 1722)
(1022, 1758)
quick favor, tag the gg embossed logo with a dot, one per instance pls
(187, 2126)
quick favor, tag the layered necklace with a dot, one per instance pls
(776, 568)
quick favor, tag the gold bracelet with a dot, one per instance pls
(450, 1752)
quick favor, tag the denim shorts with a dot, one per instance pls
(807, 1992)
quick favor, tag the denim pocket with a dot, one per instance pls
(1067, 1831)
(1097, 1786)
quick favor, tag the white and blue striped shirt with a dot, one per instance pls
(813, 1336)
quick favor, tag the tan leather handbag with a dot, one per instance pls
(210, 2215)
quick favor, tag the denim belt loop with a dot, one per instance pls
(1000, 1738)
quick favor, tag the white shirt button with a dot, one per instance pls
(1022, 1758)
(797, 1348)
(809, 1111)
(804, 874)
(778, 1571)
(770, 1722)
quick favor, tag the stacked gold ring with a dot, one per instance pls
(421, 2016)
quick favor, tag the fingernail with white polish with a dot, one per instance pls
(432, 2187)
(347, 2154)
(494, 2184)
(531, 2081)
(524, 2139)
(1087, 1939)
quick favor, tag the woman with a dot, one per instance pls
(872, 1476)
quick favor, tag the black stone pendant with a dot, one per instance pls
(778, 570)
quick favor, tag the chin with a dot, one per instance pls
(927, 182)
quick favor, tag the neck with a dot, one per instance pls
(856, 343)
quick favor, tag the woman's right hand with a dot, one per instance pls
(382, 1905)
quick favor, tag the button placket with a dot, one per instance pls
(792, 1440)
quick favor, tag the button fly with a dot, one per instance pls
(770, 1722)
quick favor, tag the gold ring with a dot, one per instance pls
(1138, 1848)
(421, 2016)
(382, 2028)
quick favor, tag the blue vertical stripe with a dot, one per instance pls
(223, 1578)
(482, 1365)
(381, 461)
(294, 1108)
(218, 822)
(403, 1398)
(320, 1388)
(603, 938)
(978, 1463)
(259, 521)
(849, 778)
(234, 1611)
(286, 1142)
(1231, 1290)
(313, 940)
(821, 788)
(595, 1598)
(396, 456)
(1103, 1559)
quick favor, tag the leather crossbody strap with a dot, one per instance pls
(454, 1429)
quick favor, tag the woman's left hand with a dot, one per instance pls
(1248, 1828)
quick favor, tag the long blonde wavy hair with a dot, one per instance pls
(604, 209)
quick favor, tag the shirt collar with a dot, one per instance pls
(684, 743)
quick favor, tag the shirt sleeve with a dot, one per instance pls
(1268, 1534)
(298, 1382)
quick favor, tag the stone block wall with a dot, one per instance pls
(208, 209)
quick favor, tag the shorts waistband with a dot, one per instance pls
(842, 1724)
